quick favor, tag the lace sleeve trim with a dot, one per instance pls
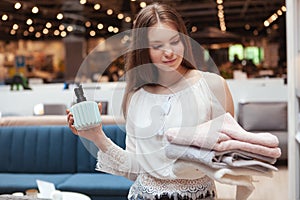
(118, 161)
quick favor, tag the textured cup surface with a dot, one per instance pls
(86, 115)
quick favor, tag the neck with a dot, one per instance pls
(170, 78)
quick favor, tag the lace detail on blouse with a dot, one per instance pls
(150, 188)
(117, 161)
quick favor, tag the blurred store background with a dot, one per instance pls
(47, 41)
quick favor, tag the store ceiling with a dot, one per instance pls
(243, 18)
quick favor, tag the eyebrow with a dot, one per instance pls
(157, 41)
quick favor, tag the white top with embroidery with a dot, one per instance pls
(144, 159)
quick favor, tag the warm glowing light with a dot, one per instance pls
(48, 25)
(109, 11)
(18, 5)
(70, 28)
(13, 32)
(35, 10)
(56, 32)
(29, 21)
(127, 19)
(45, 31)
(15, 26)
(26, 33)
(38, 34)
(63, 34)
(247, 27)
(31, 29)
(61, 27)
(100, 26)
(82, 2)
(116, 30)
(266, 23)
(110, 29)
(4, 17)
(279, 12)
(59, 16)
(194, 29)
(92, 33)
(88, 24)
(143, 4)
(120, 16)
(97, 6)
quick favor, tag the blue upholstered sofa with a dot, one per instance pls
(54, 154)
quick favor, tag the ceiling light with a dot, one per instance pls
(194, 29)
(127, 19)
(279, 12)
(247, 27)
(29, 21)
(38, 34)
(283, 8)
(63, 34)
(12, 32)
(143, 4)
(70, 28)
(92, 33)
(266, 23)
(4, 17)
(45, 31)
(82, 2)
(15, 26)
(56, 32)
(48, 25)
(35, 10)
(61, 27)
(109, 11)
(59, 16)
(97, 6)
(26, 33)
(100, 26)
(18, 5)
(116, 30)
(31, 29)
(120, 16)
(88, 24)
(110, 29)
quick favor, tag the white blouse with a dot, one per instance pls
(144, 160)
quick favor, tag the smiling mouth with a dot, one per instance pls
(169, 61)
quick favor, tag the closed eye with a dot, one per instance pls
(157, 46)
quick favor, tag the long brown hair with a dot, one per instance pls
(138, 54)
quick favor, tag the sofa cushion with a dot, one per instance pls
(87, 151)
(263, 116)
(100, 184)
(36, 149)
(10, 183)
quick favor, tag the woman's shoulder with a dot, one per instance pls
(213, 80)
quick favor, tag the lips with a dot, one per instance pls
(169, 61)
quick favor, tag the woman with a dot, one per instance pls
(164, 90)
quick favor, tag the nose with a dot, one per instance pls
(168, 51)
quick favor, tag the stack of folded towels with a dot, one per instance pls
(223, 150)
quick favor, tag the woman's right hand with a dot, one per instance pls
(89, 133)
(95, 134)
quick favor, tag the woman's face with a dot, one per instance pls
(165, 46)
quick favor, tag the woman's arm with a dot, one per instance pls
(221, 96)
(111, 158)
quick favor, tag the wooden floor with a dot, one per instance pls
(275, 188)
